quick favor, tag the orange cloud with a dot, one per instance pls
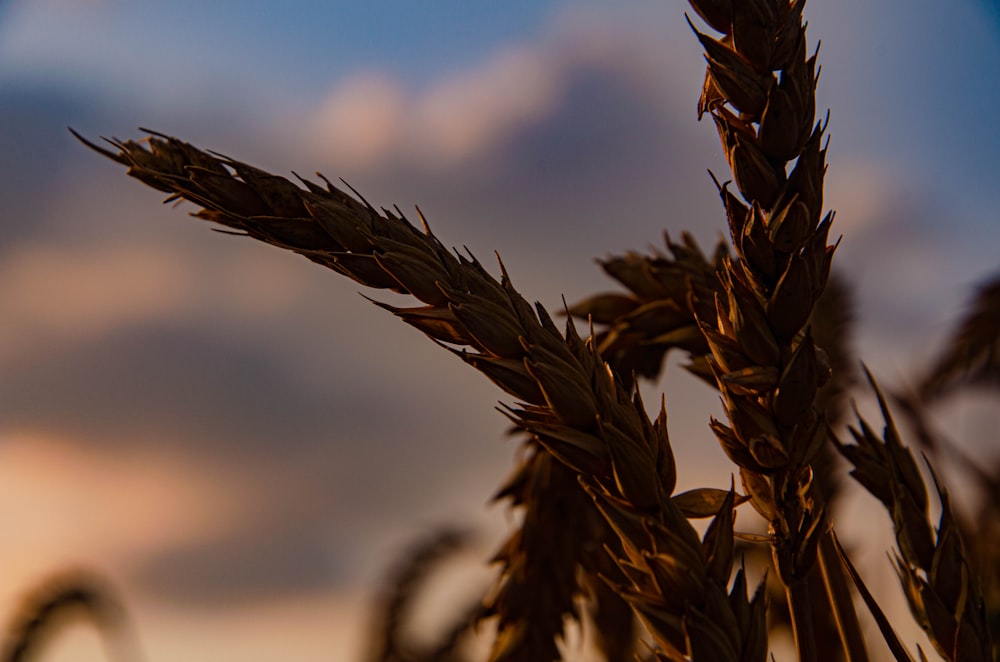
(103, 510)
(50, 295)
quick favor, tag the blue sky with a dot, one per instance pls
(297, 48)
(231, 432)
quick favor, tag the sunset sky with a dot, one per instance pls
(240, 442)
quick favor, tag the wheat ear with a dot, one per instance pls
(464, 307)
(572, 403)
(970, 360)
(71, 591)
(540, 560)
(973, 352)
(667, 294)
(389, 640)
(764, 358)
(941, 588)
(980, 528)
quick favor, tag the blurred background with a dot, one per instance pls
(240, 442)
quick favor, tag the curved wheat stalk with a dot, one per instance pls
(973, 352)
(570, 401)
(666, 295)
(389, 640)
(69, 592)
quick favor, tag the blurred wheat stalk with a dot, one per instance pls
(595, 485)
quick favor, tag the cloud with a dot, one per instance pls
(909, 271)
(361, 119)
(319, 410)
(51, 295)
(311, 466)
(35, 156)
(476, 110)
(71, 293)
(551, 152)
(160, 382)
(370, 118)
(262, 563)
(72, 504)
(350, 419)
(373, 119)
(864, 192)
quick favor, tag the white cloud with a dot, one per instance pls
(370, 118)
(477, 109)
(361, 119)
(863, 192)
(373, 119)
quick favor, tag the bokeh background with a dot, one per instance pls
(239, 441)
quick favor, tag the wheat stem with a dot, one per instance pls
(841, 601)
(763, 356)
(572, 403)
(802, 625)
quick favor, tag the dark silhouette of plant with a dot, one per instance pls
(760, 319)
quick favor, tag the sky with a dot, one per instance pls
(240, 442)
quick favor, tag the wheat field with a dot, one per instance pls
(601, 524)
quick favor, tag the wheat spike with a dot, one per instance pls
(572, 403)
(667, 294)
(763, 356)
(944, 594)
(389, 641)
(69, 592)
(544, 551)
(596, 481)
(658, 313)
(980, 529)
(973, 352)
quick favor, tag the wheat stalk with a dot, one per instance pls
(973, 352)
(751, 323)
(389, 640)
(572, 403)
(764, 359)
(544, 551)
(666, 295)
(69, 592)
(941, 588)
